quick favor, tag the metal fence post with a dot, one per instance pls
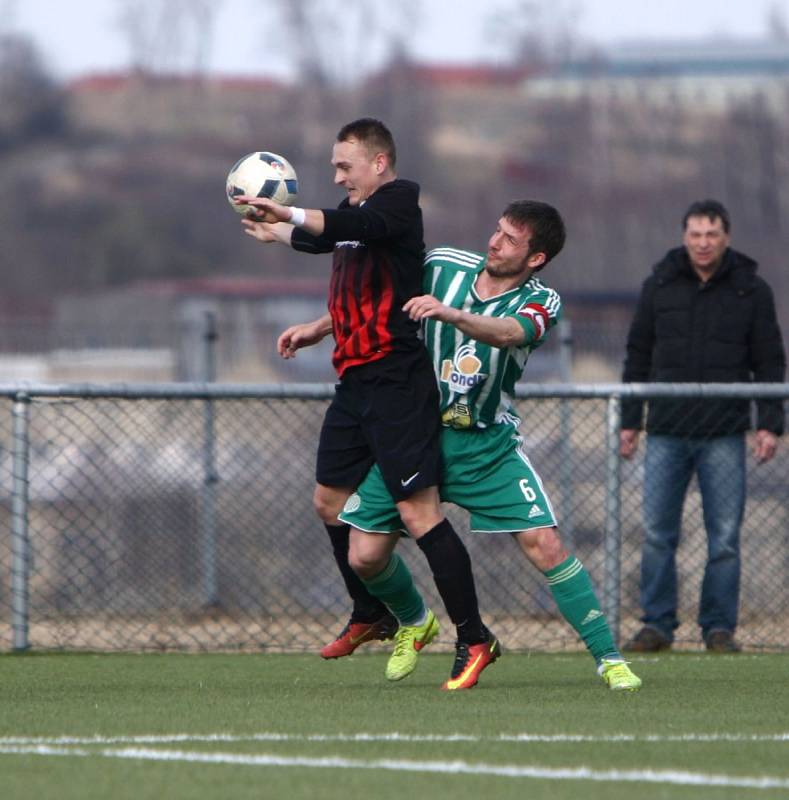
(20, 545)
(613, 522)
(565, 426)
(210, 477)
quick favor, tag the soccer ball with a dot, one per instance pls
(262, 174)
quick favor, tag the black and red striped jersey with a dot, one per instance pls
(378, 254)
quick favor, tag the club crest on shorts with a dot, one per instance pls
(462, 373)
(352, 504)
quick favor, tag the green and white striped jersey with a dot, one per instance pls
(477, 380)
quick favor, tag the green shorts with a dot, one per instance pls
(485, 472)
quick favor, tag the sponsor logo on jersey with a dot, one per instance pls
(349, 244)
(462, 373)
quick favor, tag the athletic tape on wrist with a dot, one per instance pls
(298, 216)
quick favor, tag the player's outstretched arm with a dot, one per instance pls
(309, 219)
(498, 332)
(304, 334)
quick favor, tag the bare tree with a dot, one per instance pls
(339, 42)
(164, 35)
(533, 33)
(203, 16)
(7, 15)
(31, 105)
(777, 26)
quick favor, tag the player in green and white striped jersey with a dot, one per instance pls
(477, 379)
(483, 316)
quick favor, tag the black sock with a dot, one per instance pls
(451, 566)
(366, 608)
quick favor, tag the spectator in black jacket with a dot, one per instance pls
(704, 316)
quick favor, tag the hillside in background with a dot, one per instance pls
(119, 178)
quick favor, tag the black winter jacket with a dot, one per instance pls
(686, 331)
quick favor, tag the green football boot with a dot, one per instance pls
(409, 640)
(618, 676)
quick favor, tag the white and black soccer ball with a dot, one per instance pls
(262, 174)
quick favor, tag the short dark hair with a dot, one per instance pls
(372, 133)
(711, 209)
(545, 225)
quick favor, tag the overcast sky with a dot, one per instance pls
(84, 36)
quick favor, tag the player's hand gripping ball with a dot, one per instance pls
(262, 174)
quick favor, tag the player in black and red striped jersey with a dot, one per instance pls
(385, 408)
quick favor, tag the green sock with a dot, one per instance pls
(572, 590)
(395, 588)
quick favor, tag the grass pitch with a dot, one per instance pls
(293, 726)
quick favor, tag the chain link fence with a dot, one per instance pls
(179, 517)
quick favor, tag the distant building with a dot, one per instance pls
(174, 315)
(710, 73)
(174, 104)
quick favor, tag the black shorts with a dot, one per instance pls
(385, 412)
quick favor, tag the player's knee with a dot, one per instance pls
(419, 524)
(365, 564)
(552, 554)
(543, 547)
(327, 504)
(421, 513)
(322, 508)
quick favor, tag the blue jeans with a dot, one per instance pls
(719, 463)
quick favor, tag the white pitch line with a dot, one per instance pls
(402, 765)
(560, 738)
